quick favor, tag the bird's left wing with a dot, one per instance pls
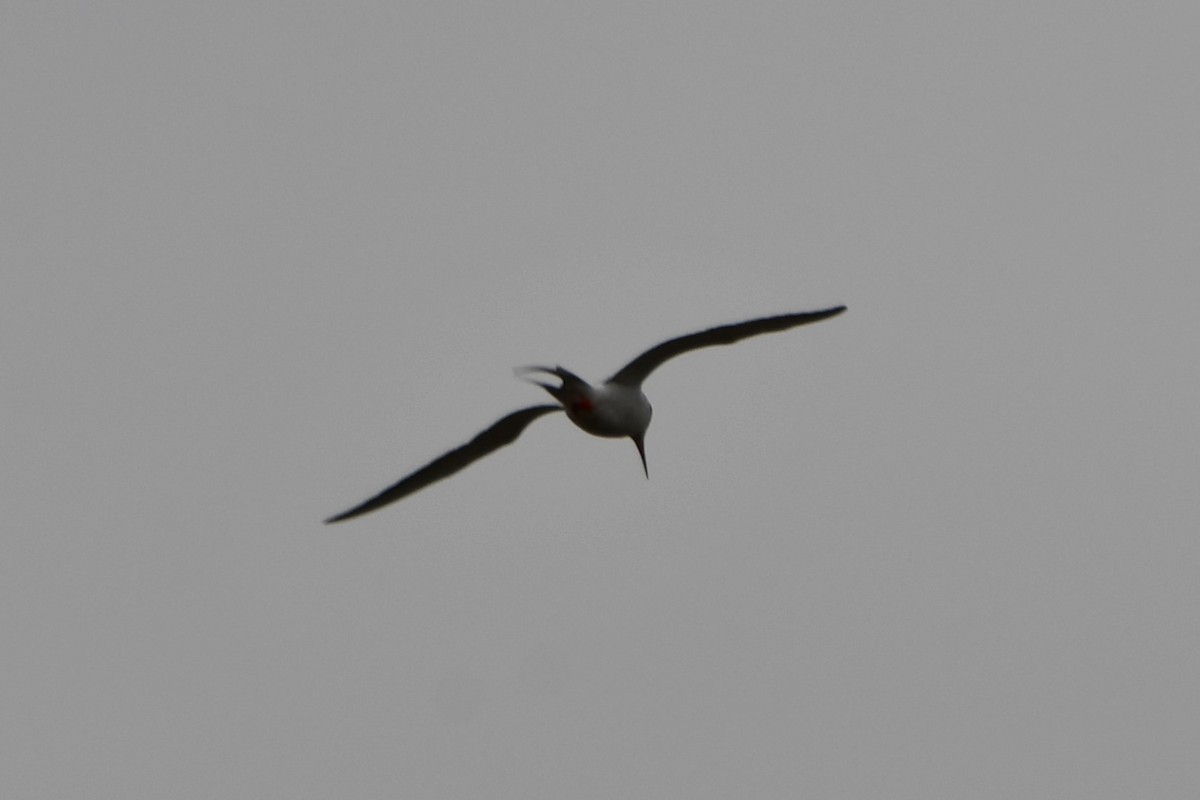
(505, 431)
(633, 373)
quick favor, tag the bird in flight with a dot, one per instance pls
(615, 409)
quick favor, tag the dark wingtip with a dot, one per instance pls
(827, 313)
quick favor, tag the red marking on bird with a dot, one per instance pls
(582, 406)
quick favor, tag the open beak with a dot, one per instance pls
(641, 446)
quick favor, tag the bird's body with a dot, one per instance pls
(611, 410)
(616, 408)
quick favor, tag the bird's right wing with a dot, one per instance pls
(505, 431)
(633, 373)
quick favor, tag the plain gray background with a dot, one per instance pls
(262, 259)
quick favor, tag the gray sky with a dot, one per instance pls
(262, 259)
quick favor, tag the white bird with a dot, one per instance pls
(616, 409)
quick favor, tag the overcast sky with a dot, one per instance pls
(262, 259)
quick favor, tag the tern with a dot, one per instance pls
(615, 409)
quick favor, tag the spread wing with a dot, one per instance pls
(633, 373)
(505, 431)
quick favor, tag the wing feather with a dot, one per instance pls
(633, 373)
(504, 431)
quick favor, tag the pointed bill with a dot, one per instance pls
(640, 441)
